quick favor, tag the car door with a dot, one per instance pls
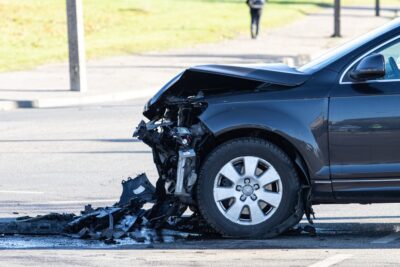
(364, 132)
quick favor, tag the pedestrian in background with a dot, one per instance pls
(256, 8)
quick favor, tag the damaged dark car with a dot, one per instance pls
(252, 148)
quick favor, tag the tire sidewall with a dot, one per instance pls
(240, 148)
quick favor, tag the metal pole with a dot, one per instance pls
(377, 8)
(336, 32)
(76, 45)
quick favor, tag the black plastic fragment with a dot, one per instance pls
(310, 230)
(125, 219)
(140, 187)
(50, 224)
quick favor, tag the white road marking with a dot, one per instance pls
(331, 260)
(20, 192)
(387, 239)
(91, 201)
(60, 202)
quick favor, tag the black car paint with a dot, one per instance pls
(273, 73)
(347, 134)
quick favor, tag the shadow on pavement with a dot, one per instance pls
(116, 140)
(329, 236)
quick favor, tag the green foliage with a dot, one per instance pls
(33, 32)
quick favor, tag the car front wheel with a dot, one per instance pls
(248, 188)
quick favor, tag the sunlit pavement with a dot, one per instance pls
(57, 160)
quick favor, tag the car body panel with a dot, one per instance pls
(364, 134)
(223, 79)
(365, 143)
(272, 73)
(306, 130)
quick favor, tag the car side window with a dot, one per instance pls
(392, 60)
(391, 53)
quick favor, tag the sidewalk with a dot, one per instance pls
(137, 76)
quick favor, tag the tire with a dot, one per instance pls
(269, 184)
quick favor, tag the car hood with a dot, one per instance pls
(280, 74)
(217, 79)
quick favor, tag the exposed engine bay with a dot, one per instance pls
(176, 140)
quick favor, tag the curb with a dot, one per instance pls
(6, 105)
(75, 100)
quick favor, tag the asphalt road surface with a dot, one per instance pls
(57, 160)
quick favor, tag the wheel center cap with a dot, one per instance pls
(248, 190)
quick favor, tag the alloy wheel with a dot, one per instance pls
(248, 190)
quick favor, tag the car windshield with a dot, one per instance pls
(344, 49)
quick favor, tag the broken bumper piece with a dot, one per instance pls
(128, 218)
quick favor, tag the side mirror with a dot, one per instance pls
(371, 67)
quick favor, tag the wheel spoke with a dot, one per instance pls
(268, 177)
(235, 210)
(221, 193)
(256, 214)
(252, 181)
(229, 172)
(250, 166)
(272, 198)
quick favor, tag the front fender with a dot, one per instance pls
(302, 122)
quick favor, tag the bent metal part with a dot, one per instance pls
(125, 219)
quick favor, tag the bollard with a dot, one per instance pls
(76, 45)
(377, 8)
(336, 32)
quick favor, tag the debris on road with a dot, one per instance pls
(128, 218)
(50, 224)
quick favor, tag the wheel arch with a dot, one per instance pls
(298, 126)
(278, 140)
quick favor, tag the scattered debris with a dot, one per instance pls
(50, 224)
(310, 230)
(125, 219)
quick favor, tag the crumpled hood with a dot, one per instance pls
(225, 78)
(280, 74)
